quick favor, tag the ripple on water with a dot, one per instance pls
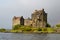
(22, 36)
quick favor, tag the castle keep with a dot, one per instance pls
(38, 19)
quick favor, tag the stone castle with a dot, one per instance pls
(38, 19)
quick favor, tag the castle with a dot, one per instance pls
(38, 19)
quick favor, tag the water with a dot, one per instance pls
(22, 36)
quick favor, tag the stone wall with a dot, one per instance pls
(38, 19)
(28, 22)
(18, 20)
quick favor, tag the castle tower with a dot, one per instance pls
(39, 18)
(18, 20)
(21, 20)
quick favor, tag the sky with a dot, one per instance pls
(11, 8)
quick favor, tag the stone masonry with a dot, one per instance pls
(38, 19)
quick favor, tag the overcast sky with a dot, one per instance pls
(10, 8)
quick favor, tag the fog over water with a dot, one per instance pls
(10, 8)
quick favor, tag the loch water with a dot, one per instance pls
(26, 36)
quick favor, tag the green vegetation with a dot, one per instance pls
(39, 29)
(20, 28)
(58, 25)
(25, 29)
(48, 25)
(50, 30)
(16, 27)
(2, 30)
